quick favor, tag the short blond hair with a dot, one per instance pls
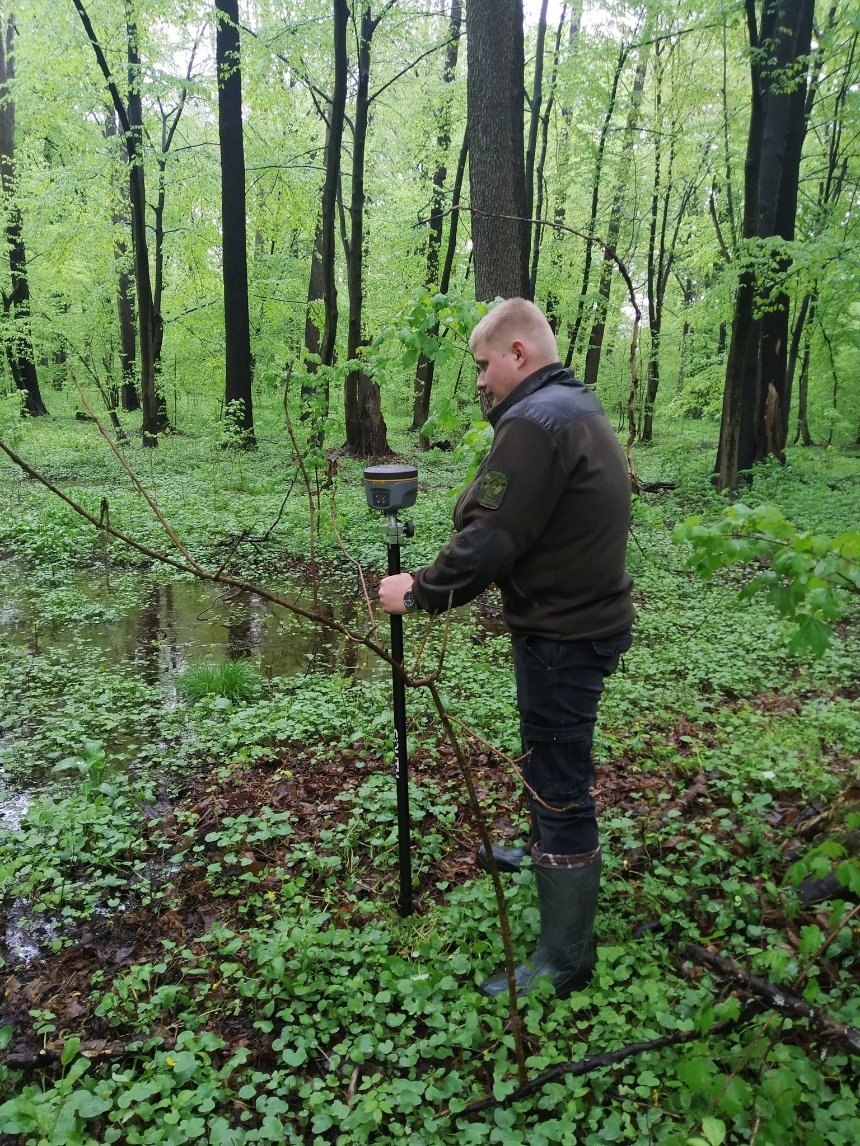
(516, 318)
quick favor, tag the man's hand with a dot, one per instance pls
(391, 590)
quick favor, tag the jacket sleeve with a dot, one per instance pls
(504, 512)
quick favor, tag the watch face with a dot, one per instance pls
(408, 600)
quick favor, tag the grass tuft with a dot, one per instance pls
(236, 680)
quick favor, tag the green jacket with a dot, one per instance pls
(546, 517)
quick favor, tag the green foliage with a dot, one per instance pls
(234, 681)
(806, 577)
(235, 864)
(471, 451)
(428, 324)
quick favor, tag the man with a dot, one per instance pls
(546, 519)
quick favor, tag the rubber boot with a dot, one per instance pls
(508, 858)
(567, 897)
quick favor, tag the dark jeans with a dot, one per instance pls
(559, 685)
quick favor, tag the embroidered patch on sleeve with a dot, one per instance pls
(493, 486)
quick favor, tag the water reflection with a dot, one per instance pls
(177, 625)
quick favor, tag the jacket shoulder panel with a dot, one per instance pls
(555, 407)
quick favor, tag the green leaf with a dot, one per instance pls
(811, 636)
(70, 1049)
(714, 1130)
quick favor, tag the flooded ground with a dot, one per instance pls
(168, 628)
(176, 625)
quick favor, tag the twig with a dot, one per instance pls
(356, 564)
(514, 764)
(191, 566)
(828, 939)
(136, 482)
(312, 505)
(504, 924)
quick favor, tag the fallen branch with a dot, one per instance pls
(777, 997)
(596, 1061)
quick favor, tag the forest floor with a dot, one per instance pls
(200, 890)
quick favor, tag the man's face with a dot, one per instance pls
(500, 369)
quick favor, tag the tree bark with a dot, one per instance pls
(18, 339)
(494, 31)
(366, 432)
(238, 402)
(425, 366)
(752, 424)
(150, 325)
(129, 398)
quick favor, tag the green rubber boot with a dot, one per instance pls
(508, 858)
(567, 889)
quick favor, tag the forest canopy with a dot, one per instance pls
(633, 133)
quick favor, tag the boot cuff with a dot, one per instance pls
(569, 863)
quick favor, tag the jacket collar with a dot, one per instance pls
(555, 372)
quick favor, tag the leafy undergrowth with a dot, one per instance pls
(229, 965)
(201, 938)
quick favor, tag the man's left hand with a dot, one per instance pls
(391, 591)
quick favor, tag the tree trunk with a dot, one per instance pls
(315, 395)
(494, 36)
(558, 247)
(366, 432)
(16, 303)
(425, 366)
(540, 121)
(130, 113)
(238, 403)
(535, 117)
(661, 244)
(752, 424)
(803, 435)
(598, 327)
(149, 324)
(129, 399)
(322, 284)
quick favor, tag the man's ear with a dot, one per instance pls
(519, 350)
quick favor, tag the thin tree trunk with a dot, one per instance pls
(576, 326)
(315, 394)
(456, 192)
(425, 366)
(366, 432)
(238, 402)
(130, 115)
(129, 399)
(538, 179)
(16, 304)
(598, 327)
(322, 284)
(150, 325)
(558, 244)
(535, 114)
(334, 141)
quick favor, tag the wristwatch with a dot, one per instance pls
(409, 603)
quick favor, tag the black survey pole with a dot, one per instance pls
(398, 693)
(389, 489)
